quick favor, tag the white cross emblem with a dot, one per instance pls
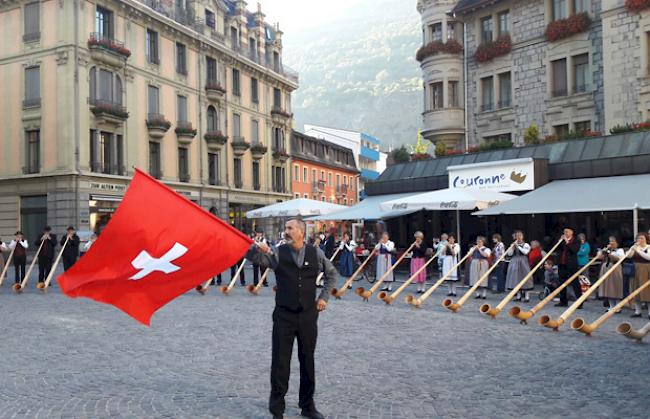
(149, 264)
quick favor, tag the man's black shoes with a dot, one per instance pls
(312, 414)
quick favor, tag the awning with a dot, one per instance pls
(368, 209)
(615, 193)
(447, 199)
(295, 207)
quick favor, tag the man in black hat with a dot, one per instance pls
(71, 251)
(19, 245)
(296, 265)
(568, 265)
(46, 257)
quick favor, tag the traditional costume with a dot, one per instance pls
(384, 262)
(518, 268)
(477, 269)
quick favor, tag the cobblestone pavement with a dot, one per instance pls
(209, 356)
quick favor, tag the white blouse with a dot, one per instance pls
(524, 248)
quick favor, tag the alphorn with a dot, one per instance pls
(202, 288)
(523, 316)
(546, 320)
(417, 302)
(388, 299)
(19, 287)
(338, 293)
(361, 292)
(43, 285)
(455, 307)
(6, 267)
(255, 289)
(580, 325)
(494, 312)
(226, 289)
(628, 331)
(320, 275)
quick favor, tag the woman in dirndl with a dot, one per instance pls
(450, 256)
(346, 250)
(479, 266)
(519, 267)
(612, 288)
(417, 261)
(385, 249)
(641, 259)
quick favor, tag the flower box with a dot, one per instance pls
(438, 47)
(636, 6)
(215, 137)
(493, 49)
(570, 26)
(99, 41)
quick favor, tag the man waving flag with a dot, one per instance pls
(157, 246)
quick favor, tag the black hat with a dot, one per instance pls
(70, 228)
(47, 228)
(259, 230)
(569, 228)
(18, 232)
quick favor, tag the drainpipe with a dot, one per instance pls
(75, 4)
(200, 127)
(465, 84)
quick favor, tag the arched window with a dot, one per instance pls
(213, 120)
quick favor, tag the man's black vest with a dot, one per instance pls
(296, 285)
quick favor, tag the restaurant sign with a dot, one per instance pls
(497, 176)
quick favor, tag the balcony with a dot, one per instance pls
(239, 146)
(280, 116)
(280, 154)
(314, 188)
(108, 112)
(367, 174)
(214, 91)
(31, 169)
(445, 121)
(185, 132)
(157, 125)
(107, 50)
(369, 153)
(215, 139)
(341, 191)
(258, 151)
(32, 103)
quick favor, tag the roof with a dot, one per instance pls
(250, 19)
(316, 154)
(469, 6)
(613, 155)
(368, 209)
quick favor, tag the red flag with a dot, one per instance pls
(157, 246)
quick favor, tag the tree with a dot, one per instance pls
(400, 155)
(531, 135)
(441, 149)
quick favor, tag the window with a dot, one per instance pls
(436, 32)
(322, 175)
(322, 198)
(32, 151)
(504, 23)
(236, 125)
(211, 65)
(277, 179)
(505, 89)
(453, 94)
(277, 98)
(154, 159)
(256, 176)
(583, 126)
(278, 139)
(306, 196)
(329, 179)
(559, 9)
(32, 87)
(451, 30)
(152, 47)
(106, 153)
(276, 61)
(487, 94)
(235, 82)
(561, 130)
(436, 95)
(234, 38)
(252, 49)
(181, 59)
(304, 175)
(313, 176)
(580, 73)
(213, 169)
(580, 6)
(338, 180)
(182, 108)
(486, 29)
(153, 101)
(254, 92)
(237, 168)
(103, 23)
(559, 79)
(32, 22)
(255, 132)
(209, 19)
(213, 119)
(296, 173)
(183, 165)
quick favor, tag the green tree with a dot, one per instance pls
(531, 135)
(400, 155)
(441, 149)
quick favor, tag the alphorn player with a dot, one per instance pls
(450, 253)
(417, 261)
(385, 249)
(612, 289)
(641, 259)
(479, 266)
(71, 251)
(519, 267)
(346, 261)
(296, 265)
(20, 255)
(568, 265)
(46, 257)
(3, 248)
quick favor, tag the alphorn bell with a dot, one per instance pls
(523, 316)
(455, 307)
(580, 325)
(417, 302)
(19, 287)
(226, 289)
(388, 299)
(338, 293)
(628, 331)
(43, 285)
(494, 312)
(361, 292)
(320, 275)
(202, 288)
(6, 267)
(255, 289)
(546, 320)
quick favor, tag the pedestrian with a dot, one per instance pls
(385, 249)
(346, 258)
(583, 252)
(296, 266)
(450, 256)
(534, 256)
(568, 265)
(551, 277)
(479, 266)
(330, 243)
(500, 271)
(20, 256)
(519, 267)
(71, 251)
(641, 260)
(46, 255)
(612, 289)
(259, 238)
(417, 261)
(440, 245)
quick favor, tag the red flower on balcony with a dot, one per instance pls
(420, 156)
(99, 41)
(438, 47)
(635, 6)
(185, 129)
(491, 50)
(570, 26)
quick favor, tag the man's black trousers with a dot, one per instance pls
(565, 272)
(44, 266)
(287, 326)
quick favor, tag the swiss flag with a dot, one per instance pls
(157, 246)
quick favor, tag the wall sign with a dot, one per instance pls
(498, 176)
